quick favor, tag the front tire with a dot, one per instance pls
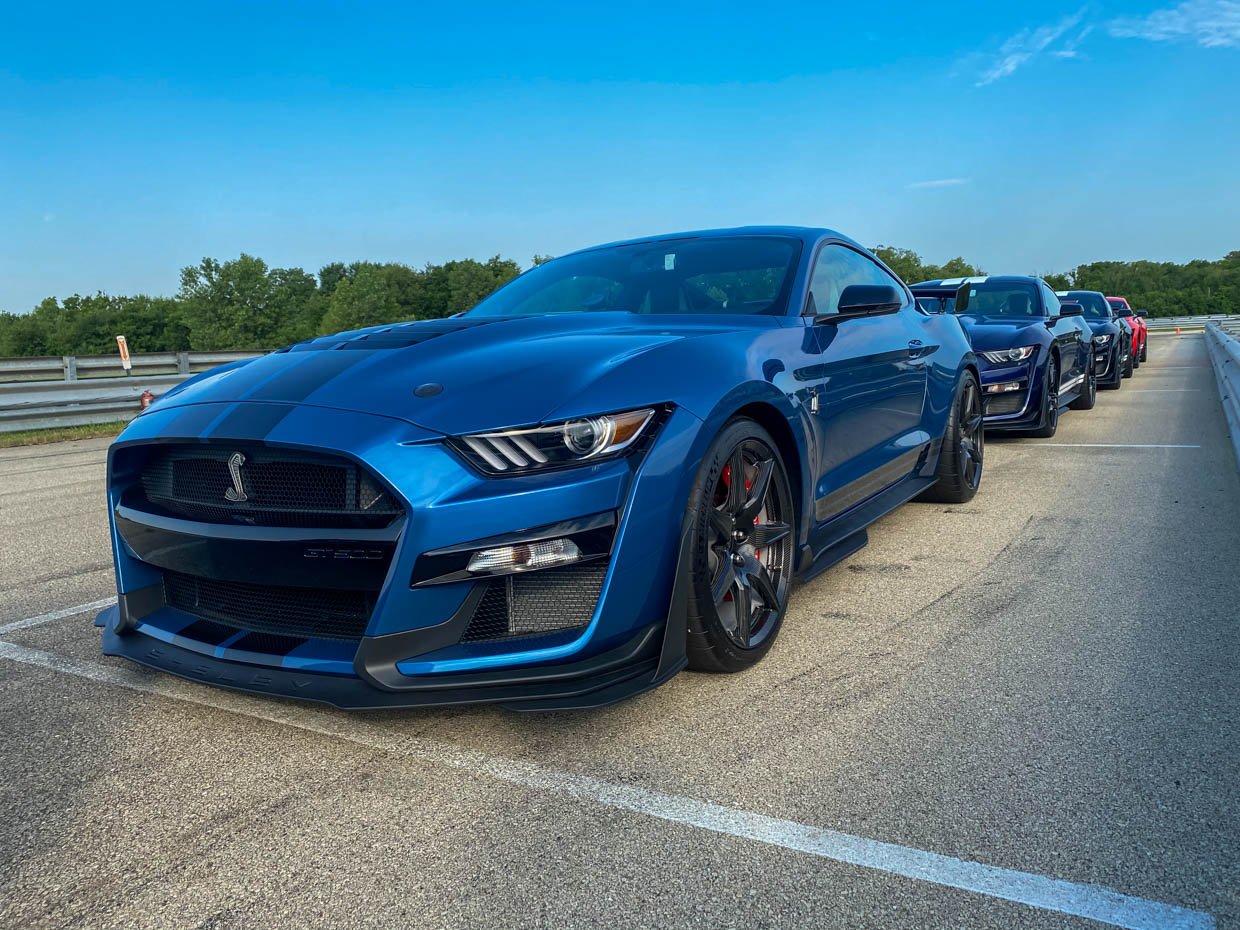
(1050, 401)
(1089, 395)
(1128, 365)
(964, 444)
(1145, 347)
(744, 524)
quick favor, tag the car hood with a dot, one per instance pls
(1103, 327)
(988, 333)
(473, 374)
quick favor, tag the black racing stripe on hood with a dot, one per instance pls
(192, 420)
(251, 421)
(400, 336)
(306, 377)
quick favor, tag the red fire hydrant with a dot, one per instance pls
(146, 398)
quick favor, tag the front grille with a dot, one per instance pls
(306, 613)
(537, 603)
(279, 487)
(1002, 404)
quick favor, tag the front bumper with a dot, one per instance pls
(1108, 365)
(635, 666)
(412, 651)
(1011, 409)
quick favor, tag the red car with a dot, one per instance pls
(1139, 329)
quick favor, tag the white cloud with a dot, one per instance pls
(1029, 43)
(938, 182)
(1209, 23)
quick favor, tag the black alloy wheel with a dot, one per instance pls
(1089, 393)
(744, 519)
(961, 457)
(1050, 401)
(972, 435)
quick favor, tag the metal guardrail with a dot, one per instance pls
(1163, 324)
(36, 393)
(1223, 344)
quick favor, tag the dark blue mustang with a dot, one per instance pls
(612, 468)
(1035, 355)
(1112, 339)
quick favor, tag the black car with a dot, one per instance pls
(1112, 337)
(1034, 354)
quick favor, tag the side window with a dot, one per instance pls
(837, 267)
(1051, 301)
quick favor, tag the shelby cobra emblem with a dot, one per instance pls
(236, 493)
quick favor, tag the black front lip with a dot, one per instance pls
(619, 673)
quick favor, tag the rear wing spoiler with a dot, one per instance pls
(938, 292)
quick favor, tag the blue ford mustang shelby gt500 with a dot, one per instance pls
(611, 468)
(1036, 356)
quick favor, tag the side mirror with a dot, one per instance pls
(1071, 310)
(864, 300)
(1143, 313)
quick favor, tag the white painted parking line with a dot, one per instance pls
(6, 628)
(1102, 445)
(1051, 894)
(1163, 391)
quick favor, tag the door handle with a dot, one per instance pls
(916, 349)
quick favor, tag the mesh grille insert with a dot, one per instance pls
(280, 488)
(537, 603)
(308, 613)
(1005, 403)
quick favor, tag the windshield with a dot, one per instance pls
(1094, 304)
(739, 275)
(1006, 299)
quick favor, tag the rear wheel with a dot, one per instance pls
(964, 444)
(1089, 391)
(1050, 401)
(743, 522)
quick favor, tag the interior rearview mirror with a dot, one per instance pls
(865, 300)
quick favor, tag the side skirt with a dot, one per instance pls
(846, 533)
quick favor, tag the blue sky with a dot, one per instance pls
(1024, 136)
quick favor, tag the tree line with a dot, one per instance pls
(245, 304)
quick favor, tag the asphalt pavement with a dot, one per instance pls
(1032, 697)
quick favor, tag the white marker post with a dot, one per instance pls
(124, 347)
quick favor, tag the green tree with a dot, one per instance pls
(242, 303)
(366, 298)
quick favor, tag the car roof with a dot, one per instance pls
(980, 278)
(806, 234)
(1078, 291)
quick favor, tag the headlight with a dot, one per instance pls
(572, 442)
(1009, 355)
(1103, 340)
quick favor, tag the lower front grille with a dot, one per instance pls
(537, 603)
(308, 613)
(1001, 404)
